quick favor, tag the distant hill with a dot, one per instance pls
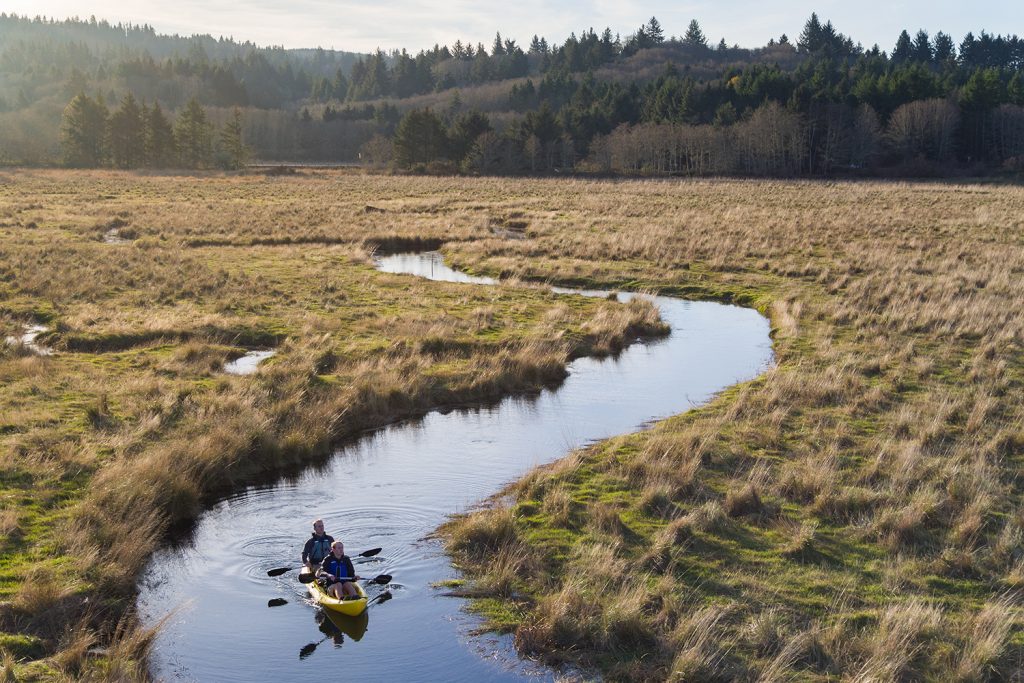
(648, 102)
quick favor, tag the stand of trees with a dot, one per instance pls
(136, 135)
(647, 103)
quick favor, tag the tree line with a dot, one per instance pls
(599, 101)
(137, 135)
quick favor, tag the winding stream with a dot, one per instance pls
(392, 488)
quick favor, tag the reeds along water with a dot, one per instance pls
(395, 487)
(892, 419)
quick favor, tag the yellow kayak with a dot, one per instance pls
(352, 607)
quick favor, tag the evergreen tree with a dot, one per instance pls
(654, 31)
(904, 51)
(234, 153)
(159, 138)
(1015, 89)
(810, 39)
(945, 50)
(339, 86)
(464, 132)
(126, 132)
(498, 48)
(83, 132)
(922, 50)
(694, 36)
(420, 138)
(968, 50)
(193, 136)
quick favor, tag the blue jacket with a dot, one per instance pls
(342, 569)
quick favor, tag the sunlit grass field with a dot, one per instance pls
(130, 425)
(855, 513)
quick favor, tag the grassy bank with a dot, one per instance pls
(853, 514)
(130, 426)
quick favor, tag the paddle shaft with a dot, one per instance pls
(277, 571)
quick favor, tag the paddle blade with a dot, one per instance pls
(383, 597)
(278, 571)
(307, 577)
(370, 553)
(307, 650)
(383, 579)
(276, 602)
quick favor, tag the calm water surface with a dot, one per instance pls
(249, 363)
(392, 488)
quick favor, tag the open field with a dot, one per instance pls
(854, 513)
(127, 429)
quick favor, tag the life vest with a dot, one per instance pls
(321, 549)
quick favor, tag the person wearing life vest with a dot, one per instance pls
(337, 572)
(318, 547)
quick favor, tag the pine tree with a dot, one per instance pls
(420, 138)
(83, 132)
(193, 135)
(498, 48)
(127, 134)
(654, 31)
(694, 36)
(339, 87)
(810, 39)
(234, 153)
(921, 50)
(1015, 89)
(159, 141)
(945, 50)
(903, 50)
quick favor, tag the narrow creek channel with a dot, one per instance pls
(392, 488)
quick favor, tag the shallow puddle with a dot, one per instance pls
(28, 340)
(249, 363)
(392, 488)
(113, 237)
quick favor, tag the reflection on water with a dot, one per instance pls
(112, 236)
(392, 488)
(28, 340)
(247, 364)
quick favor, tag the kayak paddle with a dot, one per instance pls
(383, 579)
(277, 571)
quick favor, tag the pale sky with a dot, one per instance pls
(364, 26)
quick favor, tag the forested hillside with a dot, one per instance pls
(648, 103)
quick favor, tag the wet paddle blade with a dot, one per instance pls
(307, 650)
(370, 553)
(307, 577)
(278, 571)
(383, 579)
(276, 602)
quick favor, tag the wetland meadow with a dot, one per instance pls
(852, 513)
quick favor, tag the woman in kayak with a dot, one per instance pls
(339, 573)
(318, 547)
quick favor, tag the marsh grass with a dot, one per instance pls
(856, 509)
(132, 426)
(852, 514)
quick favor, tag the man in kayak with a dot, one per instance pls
(317, 548)
(337, 570)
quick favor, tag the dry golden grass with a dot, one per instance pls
(854, 513)
(131, 426)
(862, 497)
